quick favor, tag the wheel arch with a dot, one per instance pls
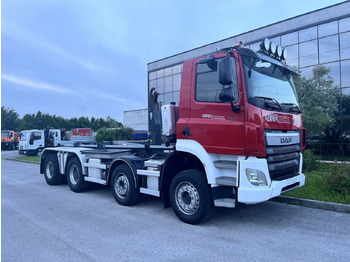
(133, 162)
(175, 163)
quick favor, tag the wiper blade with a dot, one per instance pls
(293, 107)
(275, 104)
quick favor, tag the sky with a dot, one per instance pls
(88, 58)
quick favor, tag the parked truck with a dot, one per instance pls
(235, 137)
(33, 141)
(9, 139)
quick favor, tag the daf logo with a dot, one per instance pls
(286, 140)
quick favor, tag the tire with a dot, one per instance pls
(190, 196)
(75, 177)
(51, 171)
(123, 186)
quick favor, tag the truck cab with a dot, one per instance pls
(33, 141)
(9, 139)
(239, 113)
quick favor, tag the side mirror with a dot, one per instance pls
(225, 71)
(31, 141)
(226, 95)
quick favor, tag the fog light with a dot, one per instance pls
(256, 177)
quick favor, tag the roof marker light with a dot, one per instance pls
(272, 49)
(265, 44)
(278, 51)
(284, 54)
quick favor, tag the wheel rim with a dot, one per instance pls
(49, 170)
(187, 198)
(74, 175)
(121, 185)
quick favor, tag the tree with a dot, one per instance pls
(318, 99)
(9, 119)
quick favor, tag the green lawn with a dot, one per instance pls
(35, 159)
(316, 187)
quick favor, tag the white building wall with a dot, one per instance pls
(136, 119)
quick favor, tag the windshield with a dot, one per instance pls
(24, 136)
(269, 86)
(5, 133)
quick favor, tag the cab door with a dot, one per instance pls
(218, 126)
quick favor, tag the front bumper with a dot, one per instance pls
(250, 194)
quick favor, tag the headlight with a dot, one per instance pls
(256, 177)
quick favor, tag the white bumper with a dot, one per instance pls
(250, 194)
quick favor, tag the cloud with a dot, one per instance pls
(29, 37)
(120, 100)
(36, 84)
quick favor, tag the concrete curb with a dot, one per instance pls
(313, 204)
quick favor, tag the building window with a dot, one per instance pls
(329, 51)
(308, 34)
(345, 76)
(168, 85)
(345, 45)
(160, 85)
(307, 72)
(335, 72)
(328, 29)
(289, 39)
(308, 53)
(292, 55)
(344, 25)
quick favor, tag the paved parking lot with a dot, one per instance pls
(52, 223)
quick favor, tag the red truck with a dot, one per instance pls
(236, 136)
(9, 139)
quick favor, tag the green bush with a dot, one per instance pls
(106, 134)
(338, 179)
(310, 160)
(124, 133)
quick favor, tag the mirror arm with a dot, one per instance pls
(235, 108)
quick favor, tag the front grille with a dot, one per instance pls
(283, 160)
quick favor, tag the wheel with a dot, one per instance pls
(190, 196)
(123, 186)
(51, 171)
(75, 177)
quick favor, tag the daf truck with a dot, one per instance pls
(236, 136)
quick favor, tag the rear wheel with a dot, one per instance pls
(51, 171)
(190, 196)
(123, 186)
(75, 177)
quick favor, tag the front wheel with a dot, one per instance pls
(75, 177)
(123, 186)
(190, 196)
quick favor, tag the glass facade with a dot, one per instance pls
(167, 82)
(326, 44)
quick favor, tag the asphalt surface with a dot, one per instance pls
(52, 223)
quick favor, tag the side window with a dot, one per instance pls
(36, 135)
(207, 82)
